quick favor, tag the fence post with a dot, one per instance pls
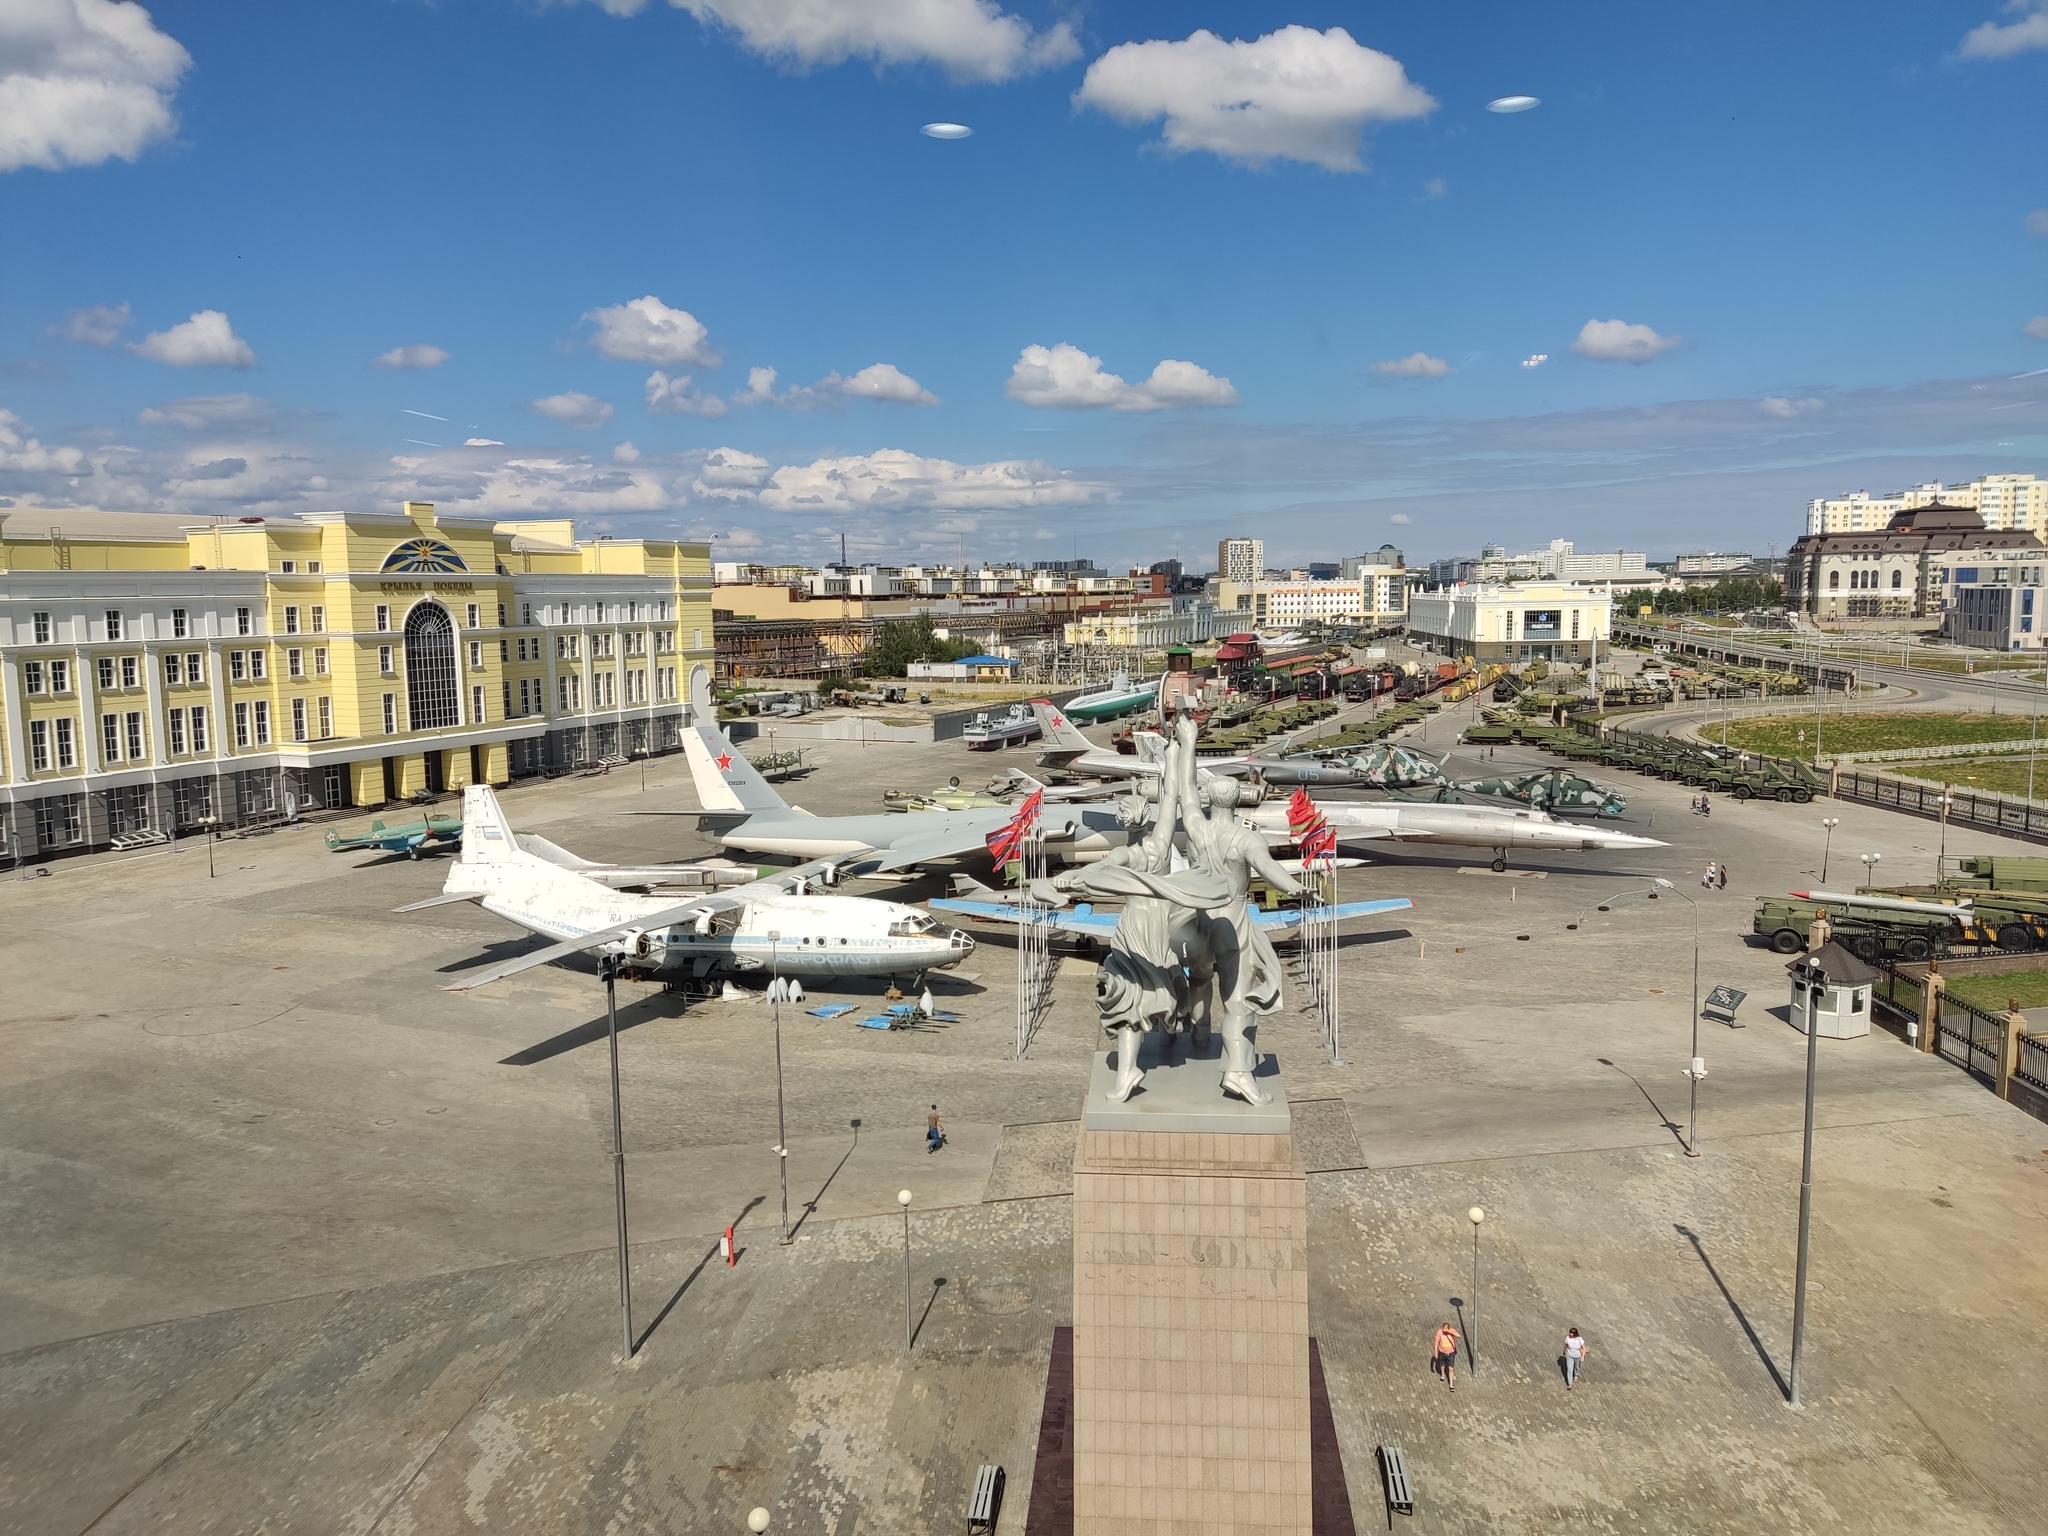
(1930, 1006)
(1834, 778)
(2009, 1048)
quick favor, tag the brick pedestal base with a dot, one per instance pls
(1191, 1353)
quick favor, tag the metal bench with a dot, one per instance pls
(1394, 1474)
(985, 1504)
(142, 839)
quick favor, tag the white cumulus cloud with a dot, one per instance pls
(645, 330)
(19, 451)
(892, 479)
(885, 381)
(1780, 405)
(1066, 378)
(674, 397)
(969, 39)
(1400, 517)
(417, 356)
(82, 82)
(1616, 341)
(98, 325)
(482, 442)
(2037, 327)
(198, 412)
(2037, 222)
(1416, 365)
(877, 381)
(1294, 94)
(730, 474)
(574, 409)
(1992, 41)
(204, 341)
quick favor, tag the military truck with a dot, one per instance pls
(2010, 920)
(1869, 933)
(2001, 873)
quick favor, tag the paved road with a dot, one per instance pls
(299, 1242)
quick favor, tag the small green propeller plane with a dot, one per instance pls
(407, 838)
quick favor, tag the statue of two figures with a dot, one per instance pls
(1186, 934)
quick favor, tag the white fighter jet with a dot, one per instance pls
(745, 813)
(1463, 826)
(779, 925)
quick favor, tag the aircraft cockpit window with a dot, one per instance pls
(910, 927)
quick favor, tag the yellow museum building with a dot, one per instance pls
(158, 676)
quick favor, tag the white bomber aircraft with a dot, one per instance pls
(819, 935)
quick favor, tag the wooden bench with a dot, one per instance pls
(985, 1503)
(1394, 1474)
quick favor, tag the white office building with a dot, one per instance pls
(1240, 560)
(1530, 621)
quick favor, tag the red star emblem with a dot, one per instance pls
(724, 761)
(1058, 724)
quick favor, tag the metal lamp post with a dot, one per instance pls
(775, 991)
(1941, 858)
(1830, 823)
(1697, 1068)
(1805, 1198)
(903, 1199)
(1476, 1216)
(1869, 863)
(608, 968)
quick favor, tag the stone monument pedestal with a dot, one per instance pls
(1191, 1347)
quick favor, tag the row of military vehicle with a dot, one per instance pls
(1721, 770)
(1882, 923)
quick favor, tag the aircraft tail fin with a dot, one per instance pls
(487, 837)
(1063, 739)
(725, 780)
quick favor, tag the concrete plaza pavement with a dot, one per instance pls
(300, 1242)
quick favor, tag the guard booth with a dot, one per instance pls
(1831, 993)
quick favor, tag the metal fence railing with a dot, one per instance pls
(1970, 1038)
(2033, 1062)
(2006, 814)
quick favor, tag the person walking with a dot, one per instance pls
(1707, 876)
(1721, 876)
(1446, 1362)
(934, 1131)
(1574, 1357)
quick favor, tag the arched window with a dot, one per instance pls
(432, 692)
(1834, 581)
(1898, 580)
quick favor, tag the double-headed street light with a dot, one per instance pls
(1830, 823)
(1941, 859)
(1869, 862)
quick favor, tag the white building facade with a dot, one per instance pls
(2003, 501)
(1240, 560)
(1531, 621)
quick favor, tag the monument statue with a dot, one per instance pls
(1184, 931)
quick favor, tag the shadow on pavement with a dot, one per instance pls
(1735, 1306)
(1677, 1131)
(811, 1205)
(923, 1317)
(690, 1279)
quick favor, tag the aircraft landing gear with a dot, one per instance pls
(1500, 863)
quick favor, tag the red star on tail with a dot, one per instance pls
(724, 761)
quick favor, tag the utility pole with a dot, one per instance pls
(608, 968)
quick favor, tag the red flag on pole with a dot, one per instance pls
(1007, 841)
(1309, 828)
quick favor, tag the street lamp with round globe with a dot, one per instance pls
(757, 1520)
(1829, 823)
(1476, 1216)
(903, 1199)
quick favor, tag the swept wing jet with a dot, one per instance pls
(745, 813)
(1467, 826)
(1071, 752)
(1083, 918)
(815, 934)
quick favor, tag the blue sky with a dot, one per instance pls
(1804, 231)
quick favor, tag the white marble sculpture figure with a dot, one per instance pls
(1182, 932)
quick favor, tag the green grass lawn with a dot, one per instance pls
(1792, 735)
(1993, 993)
(1995, 775)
